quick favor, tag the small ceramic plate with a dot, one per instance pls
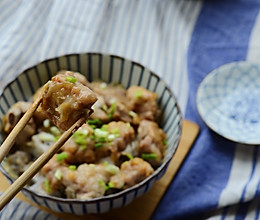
(228, 100)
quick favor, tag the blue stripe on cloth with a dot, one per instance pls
(257, 212)
(255, 155)
(217, 39)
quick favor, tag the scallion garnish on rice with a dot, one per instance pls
(149, 156)
(55, 131)
(72, 167)
(71, 79)
(138, 94)
(94, 122)
(58, 174)
(112, 110)
(98, 145)
(99, 133)
(165, 142)
(47, 185)
(61, 156)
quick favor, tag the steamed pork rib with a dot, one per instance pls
(118, 104)
(113, 102)
(151, 142)
(131, 173)
(66, 100)
(83, 182)
(82, 79)
(89, 145)
(41, 115)
(12, 117)
(80, 148)
(88, 181)
(142, 102)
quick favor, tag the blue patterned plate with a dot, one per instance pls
(228, 100)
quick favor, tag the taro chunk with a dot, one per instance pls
(66, 100)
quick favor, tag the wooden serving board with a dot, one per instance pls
(144, 206)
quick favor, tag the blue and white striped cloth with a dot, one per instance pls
(181, 41)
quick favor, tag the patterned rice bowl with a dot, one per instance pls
(109, 68)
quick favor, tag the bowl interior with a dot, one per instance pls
(110, 69)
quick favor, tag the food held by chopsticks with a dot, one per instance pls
(66, 103)
(66, 100)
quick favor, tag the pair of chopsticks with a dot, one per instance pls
(41, 161)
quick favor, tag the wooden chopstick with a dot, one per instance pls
(9, 141)
(38, 164)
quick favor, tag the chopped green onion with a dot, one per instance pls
(125, 162)
(83, 147)
(62, 156)
(102, 139)
(46, 123)
(99, 133)
(104, 107)
(132, 114)
(56, 138)
(92, 137)
(46, 137)
(112, 110)
(111, 137)
(104, 127)
(72, 167)
(165, 142)
(150, 156)
(54, 130)
(116, 132)
(47, 185)
(81, 132)
(103, 85)
(138, 94)
(71, 79)
(94, 122)
(106, 163)
(101, 183)
(98, 145)
(58, 174)
(129, 156)
(112, 169)
(93, 126)
(110, 185)
(80, 140)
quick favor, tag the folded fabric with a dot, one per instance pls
(217, 173)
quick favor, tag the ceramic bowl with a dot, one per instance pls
(110, 69)
(228, 100)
